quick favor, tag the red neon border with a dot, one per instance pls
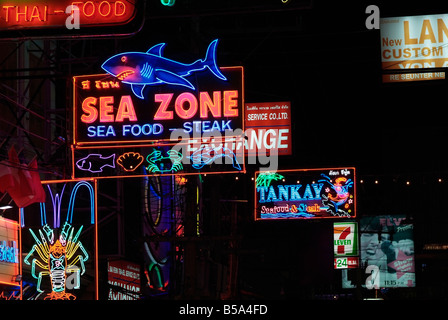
(124, 143)
(310, 218)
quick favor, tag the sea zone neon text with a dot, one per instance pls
(107, 110)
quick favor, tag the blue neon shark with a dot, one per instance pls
(149, 68)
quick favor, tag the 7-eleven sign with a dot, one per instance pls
(345, 238)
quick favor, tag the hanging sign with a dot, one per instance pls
(414, 42)
(154, 115)
(268, 128)
(145, 97)
(305, 194)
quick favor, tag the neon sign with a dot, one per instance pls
(293, 194)
(150, 68)
(197, 98)
(58, 257)
(157, 160)
(16, 15)
(148, 101)
(112, 114)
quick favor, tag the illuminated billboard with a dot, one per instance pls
(268, 128)
(387, 251)
(145, 96)
(9, 252)
(60, 242)
(151, 115)
(305, 194)
(58, 18)
(107, 110)
(414, 42)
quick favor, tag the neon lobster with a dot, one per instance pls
(59, 256)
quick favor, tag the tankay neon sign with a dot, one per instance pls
(312, 193)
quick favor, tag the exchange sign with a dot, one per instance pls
(268, 128)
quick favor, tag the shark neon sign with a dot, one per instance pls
(140, 69)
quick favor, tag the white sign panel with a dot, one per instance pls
(414, 42)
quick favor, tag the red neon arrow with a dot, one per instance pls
(344, 234)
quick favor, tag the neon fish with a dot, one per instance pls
(150, 68)
(95, 162)
(207, 155)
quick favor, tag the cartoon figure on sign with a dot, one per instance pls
(58, 252)
(140, 69)
(337, 195)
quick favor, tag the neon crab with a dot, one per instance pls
(341, 187)
(58, 252)
(157, 162)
